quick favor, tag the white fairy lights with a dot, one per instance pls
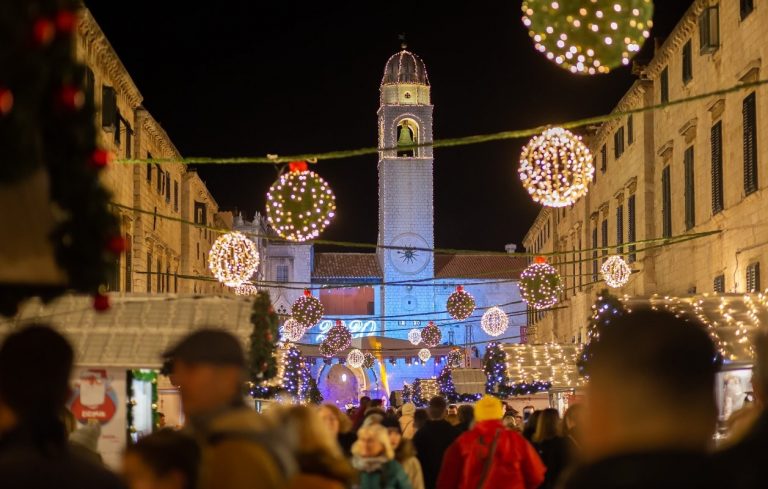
(355, 358)
(300, 204)
(460, 304)
(540, 284)
(425, 354)
(307, 310)
(246, 289)
(494, 321)
(431, 335)
(414, 336)
(292, 330)
(615, 271)
(556, 168)
(233, 259)
(588, 37)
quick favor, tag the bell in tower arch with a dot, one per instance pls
(405, 140)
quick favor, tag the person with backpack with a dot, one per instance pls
(490, 456)
(241, 449)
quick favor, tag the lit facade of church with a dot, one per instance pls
(404, 285)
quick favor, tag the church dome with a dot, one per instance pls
(405, 67)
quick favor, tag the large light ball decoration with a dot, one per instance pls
(327, 349)
(292, 330)
(355, 358)
(460, 304)
(307, 310)
(455, 358)
(588, 37)
(494, 321)
(414, 336)
(369, 361)
(425, 354)
(246, 289)
(431, 335)
(556, 168)
(540, 284)
(339, 337)
(233, 259)
(300, 204)
(615, 271)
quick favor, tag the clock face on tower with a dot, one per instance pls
(408, 254)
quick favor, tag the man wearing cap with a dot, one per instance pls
(240, 448)
(490, 456)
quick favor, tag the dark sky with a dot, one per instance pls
(232, 78)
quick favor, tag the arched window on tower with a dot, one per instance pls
(407, 135)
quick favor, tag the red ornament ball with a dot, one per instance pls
(101, 302)
(71, 97)
(6, 101)
(66, 21)
(43, 31)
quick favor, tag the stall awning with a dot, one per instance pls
(555, 363)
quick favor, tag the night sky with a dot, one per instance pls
(229, 78)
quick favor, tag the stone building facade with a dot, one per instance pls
(689, 168)
(161, 253)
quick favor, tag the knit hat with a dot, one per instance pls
(487, 408)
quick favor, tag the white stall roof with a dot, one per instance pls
(551, 362)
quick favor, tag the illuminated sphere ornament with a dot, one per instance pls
(494, 321)
(455, 358)
(431, 335)
(556, 168)
(338, 337)
(615, 271)
(326, 349)
(233, 259)
(292, 330)
(414, 336)
(246, 289)
(588, 37)
(307, 310)
(355, 358)
(460, 304)
(540, 284)
(369, 361)
(424, 354)
(300, 204)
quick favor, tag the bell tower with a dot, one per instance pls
(406, 215)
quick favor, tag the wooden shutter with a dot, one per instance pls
(719, 284)
(603, 159)
(666, 204)
(630, 130)
(108, 108)
(167, 186)
(717, 167)
(620, 228)
(664, 85)
(687, 62)
(631, 230)
(750, 144)
(604, 236)
(690, 195)
(753, 277)
(594, 254)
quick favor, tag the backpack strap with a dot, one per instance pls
(489, 461)
(279, 452)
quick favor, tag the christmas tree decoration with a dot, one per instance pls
(607, 308)
(456, 358)
(431, 335)
(292, 367)
(588, 37)
(425, 354)
(338, 338)
(263, 340)
(414, 336)
(246, 290)
(556, 168)
(460, 304)
(615, 271)
(292, 330)
(495, 367)
(307, 310)
(355, 358)
(369, 361)
(233, 259)
(494, 321)
(300, 204)
(540, 284)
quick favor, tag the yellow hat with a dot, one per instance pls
(488, 407)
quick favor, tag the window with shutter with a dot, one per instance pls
(618, 142)
(664, 85)
(281, 274)
(118, 129)
(719, 284)
(690, 192)
(753, 277)
(604, 237)
(175, 195)
(620, 229)
(630, 130)
(128, 263)
(603, 159)
(108, 108)
(666, 204)
(581, 268)
(687, 62)
(167, 186)
(745, 8)
(160, 178)
(750, 144)
(90, 85)
(594, 254)
(128, 139)
(631, 230)
(149, 272)
(717, 167)
(709, 29)
(159, 275)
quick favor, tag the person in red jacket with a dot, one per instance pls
(489, 456)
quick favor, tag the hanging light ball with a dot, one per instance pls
(300, 204)
(494, 321)
(540, 284)
(307, 309)
(233, 259)
(246, 289)
(615, 271)
(588, 37)
(292, 330)
(369, 361)
(431, 335)
(424, 354)
(339, 337)
(355, 358)
(414, 336)
(556, 168)
(460, 304)
(455, 358)
(326, 349)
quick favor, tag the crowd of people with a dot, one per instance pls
(647, 422)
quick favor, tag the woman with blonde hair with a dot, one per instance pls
(339, 425)
(374, 459)
(321, 462)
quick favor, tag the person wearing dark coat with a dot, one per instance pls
(35, 368)
(433, 439)
(652, 411)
